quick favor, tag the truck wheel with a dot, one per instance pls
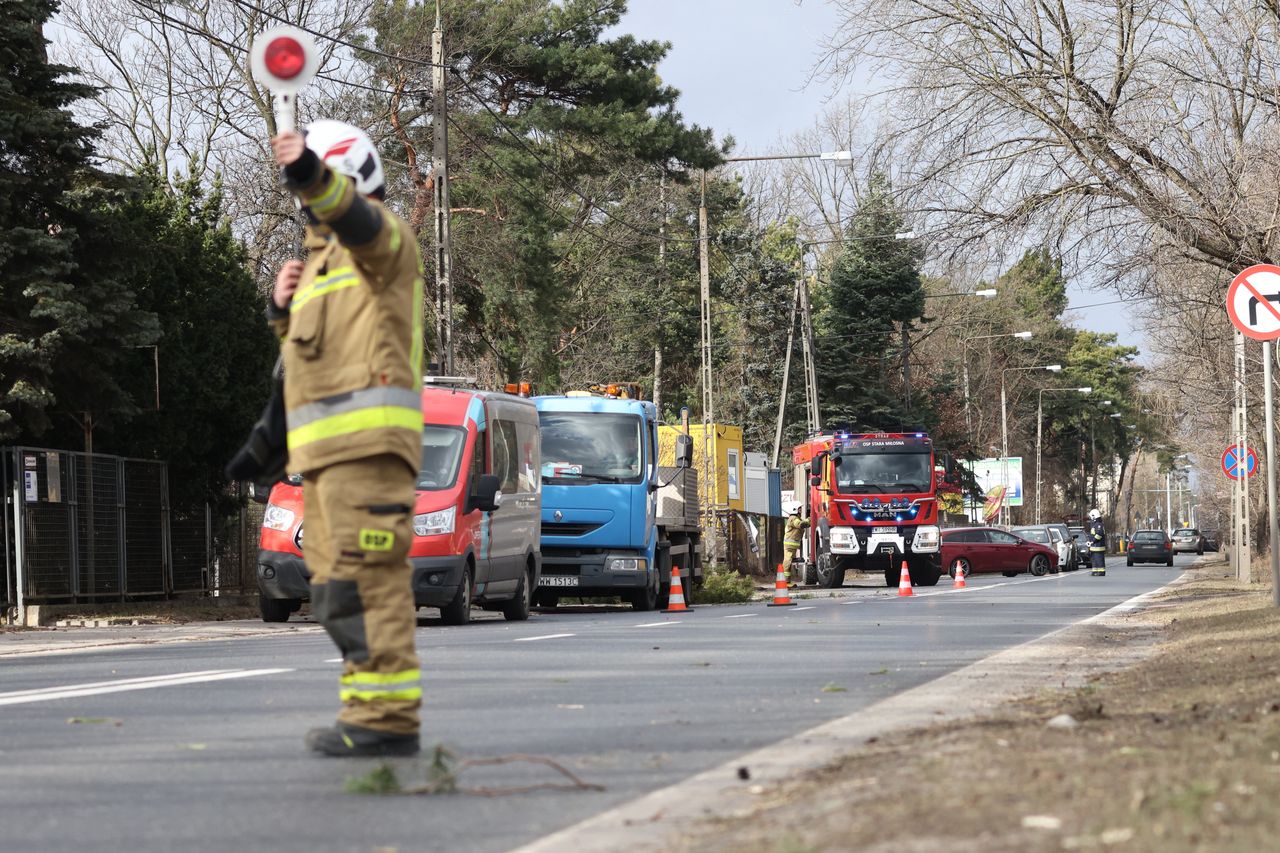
(924, 573)
(517, 609)
(810, 574)
(1039, 565)
(643, 600)
(830, 576)
(458, 611)
(542, 598)
(277, 609)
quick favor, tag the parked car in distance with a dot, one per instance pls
(1211, 541)
(1045, 535)
(971, 550)
(1187, 540)
(1082, 547)
(1150, 546)
(1072, 561)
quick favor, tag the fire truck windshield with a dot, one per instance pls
(589, 447)
(872, 473)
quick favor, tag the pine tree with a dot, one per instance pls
(874, 288)
(67, 313)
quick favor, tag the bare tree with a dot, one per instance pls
(1114, 127)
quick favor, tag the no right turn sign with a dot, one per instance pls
(1253, 302)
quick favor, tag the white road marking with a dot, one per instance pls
(806, 607)
(543, 637)
(334, 660)
(657, 624)
(47, 694)
(741, 615)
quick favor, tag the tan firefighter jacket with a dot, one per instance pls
(352, 336)
(792, 532)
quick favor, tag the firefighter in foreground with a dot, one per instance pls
(791, 536)
(349, 322)
(1097, 543)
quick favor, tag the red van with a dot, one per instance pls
(476, 517)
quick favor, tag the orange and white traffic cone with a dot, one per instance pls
(781, 592)
(675, 601)
(904, 581)
(958, 582)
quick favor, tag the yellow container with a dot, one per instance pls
(717, 457)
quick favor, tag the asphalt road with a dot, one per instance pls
(197, 746)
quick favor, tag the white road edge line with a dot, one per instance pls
(144, 679)
(657, 624)
(543, 637)
(133, 684)
(654, 821)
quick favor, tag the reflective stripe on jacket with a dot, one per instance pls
(352, 336)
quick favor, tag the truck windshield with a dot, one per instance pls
(872, 473)
(590, 447)
(441, 452)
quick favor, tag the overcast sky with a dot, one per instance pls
(743, 68)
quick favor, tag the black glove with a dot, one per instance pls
(265, 454)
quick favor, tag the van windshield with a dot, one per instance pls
(590, 447)
(441, 453)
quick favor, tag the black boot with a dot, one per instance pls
(344, 739)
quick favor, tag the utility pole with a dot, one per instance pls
(1240, 505)
(708, 411)
(440, 166)
(786, 364)
(810, 372)
(662, 285)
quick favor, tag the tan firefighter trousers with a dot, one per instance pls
(358, 518)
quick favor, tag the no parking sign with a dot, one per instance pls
(1231, 462)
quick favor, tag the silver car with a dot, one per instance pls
(1046, 534)
(1188, 540)
(1073, 548)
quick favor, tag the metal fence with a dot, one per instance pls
(96, 528)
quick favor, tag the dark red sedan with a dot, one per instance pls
(986, 549)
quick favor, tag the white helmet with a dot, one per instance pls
(791, 508)
(349, 151)
(1094, 514)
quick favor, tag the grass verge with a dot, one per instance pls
(1178, 753)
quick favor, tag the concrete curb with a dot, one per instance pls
(658, 820)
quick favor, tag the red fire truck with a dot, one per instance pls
(872, 500)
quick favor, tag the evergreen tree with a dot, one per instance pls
(215, 349)
(67, 314)
(874, 287)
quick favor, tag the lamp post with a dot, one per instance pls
(964, 357)
(1004, 428)
(1039, 432)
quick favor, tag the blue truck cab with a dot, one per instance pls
(603, 531)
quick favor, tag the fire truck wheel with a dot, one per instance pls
(810, 574)
(925, 574)
(830, 576)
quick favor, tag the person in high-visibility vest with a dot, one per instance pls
(792, 536)
(1097, 544)
(349, 321)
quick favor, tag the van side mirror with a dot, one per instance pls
(486, 496)
(259, 493)
(684, 451)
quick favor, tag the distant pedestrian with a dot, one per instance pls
(1097, 544)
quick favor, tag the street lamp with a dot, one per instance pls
(1039, 430)
(964, 356)
(1004, 427)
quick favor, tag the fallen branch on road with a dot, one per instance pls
(446, 768)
